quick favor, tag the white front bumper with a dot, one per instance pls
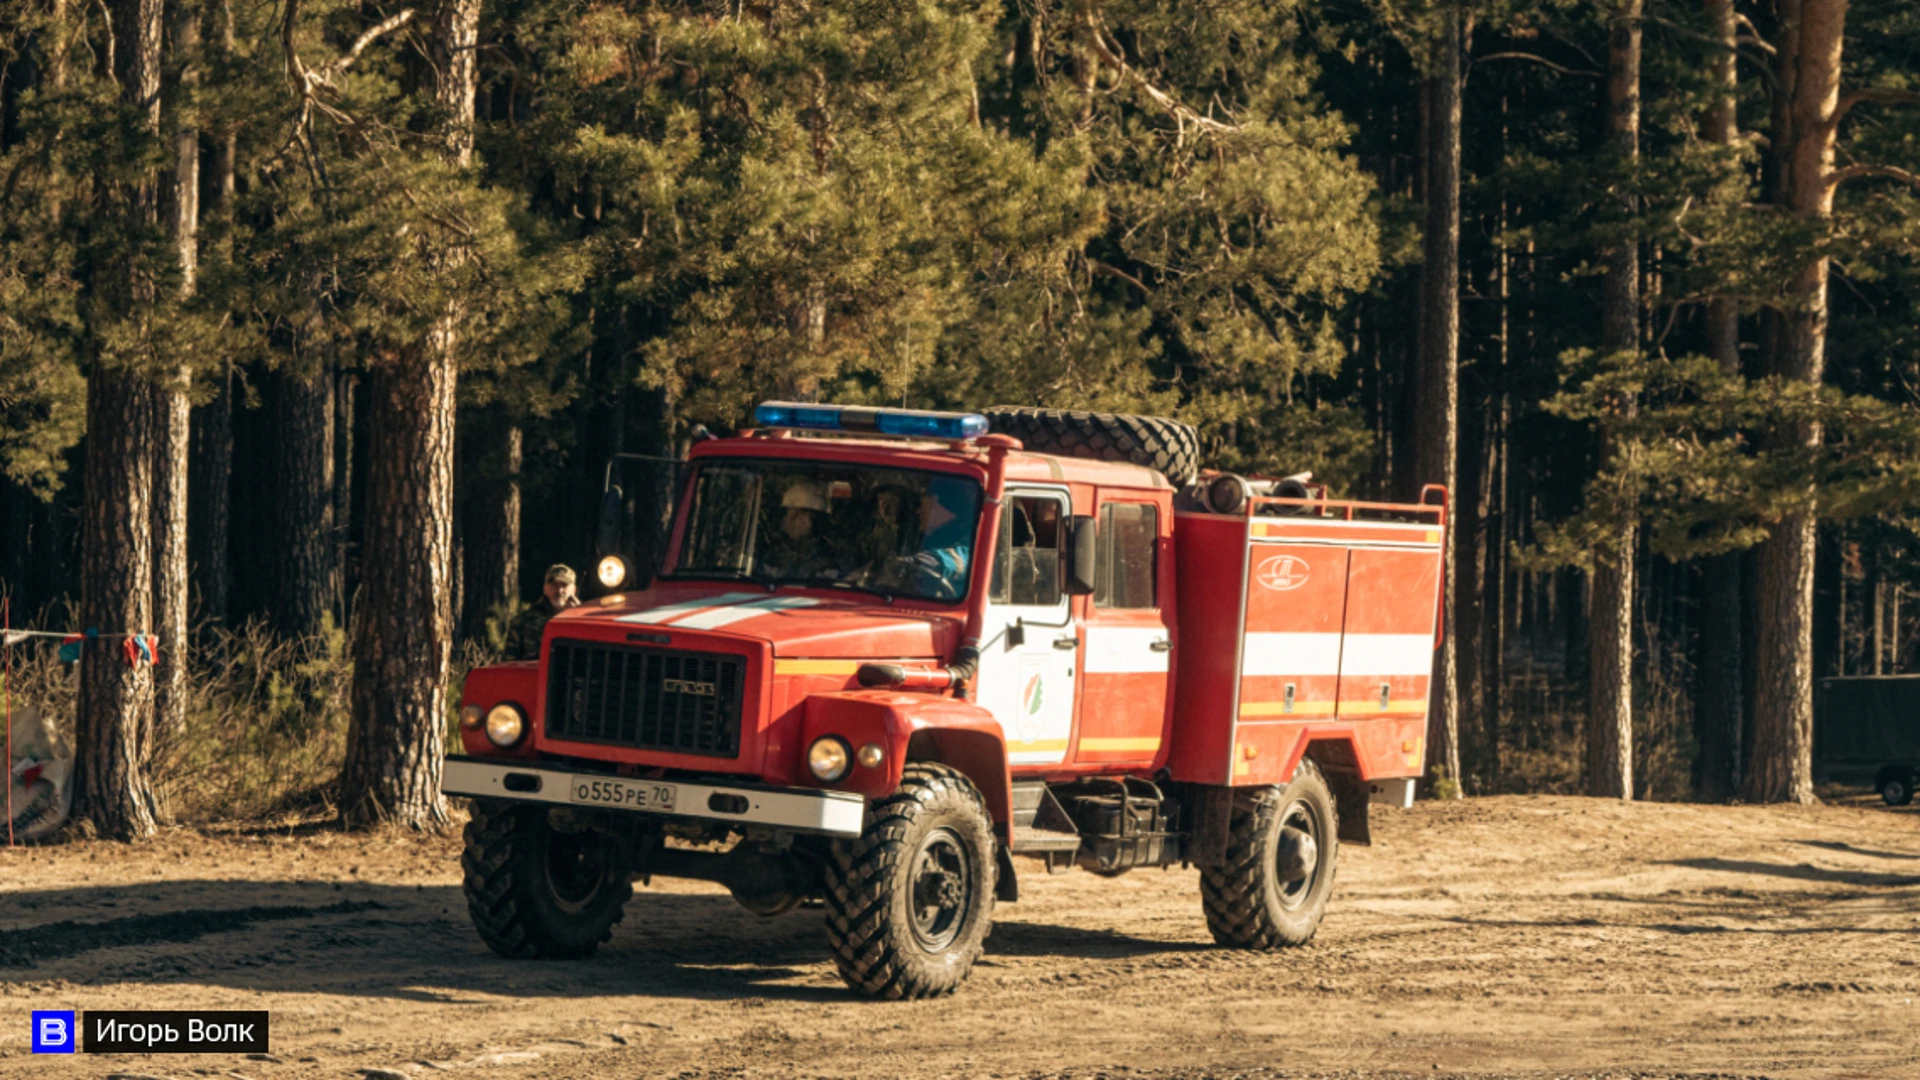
(831, 813)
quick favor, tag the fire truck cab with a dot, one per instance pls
(887, 650)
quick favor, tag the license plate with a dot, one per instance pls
(627, 794)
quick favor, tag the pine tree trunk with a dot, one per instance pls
(1436, 389)
(1781, 768)
(113, 722)
(1469, 552)
(210, 484)
(404, 631)
(209, 492)
(1610, 661)
(342, 585)
(490, 524)
(173, 411)
(1718, 686)
(303, 444)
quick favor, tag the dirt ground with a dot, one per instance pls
(1533, 937)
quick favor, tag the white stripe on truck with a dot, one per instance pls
(1309, 654)
(1125, 650)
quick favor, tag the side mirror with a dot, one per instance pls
(607, 539)
(1080, 560)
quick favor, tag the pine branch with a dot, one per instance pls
(1541, 60)
(1878, 97)
(1112, 55)
(1889, 172)
(374, 33)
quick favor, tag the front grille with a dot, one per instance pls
(648, 699)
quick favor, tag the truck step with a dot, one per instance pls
(1026, 840)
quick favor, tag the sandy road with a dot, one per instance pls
(1512, 936)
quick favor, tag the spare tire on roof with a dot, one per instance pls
(1169, 446)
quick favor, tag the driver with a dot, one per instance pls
(939, 569)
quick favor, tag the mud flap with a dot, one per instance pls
(1351, 798)
(1006, 887)
(1212, 807)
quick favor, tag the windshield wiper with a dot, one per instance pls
(727, 574)
(841, 583)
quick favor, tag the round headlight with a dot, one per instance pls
(828, 759)
(505, 724)
(872, 754)
(611, 572)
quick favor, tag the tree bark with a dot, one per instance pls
(209, 491)
(344, 383)
(490, 525)
(113, 720)
(1436, 388)
(1781, 768)
(1717, 705)
(210, 485)
(1610, 641)
(303, 574)
(405, 623)
(173, 410)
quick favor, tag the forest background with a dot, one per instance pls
(320, 319)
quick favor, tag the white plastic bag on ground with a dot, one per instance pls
(37, 778)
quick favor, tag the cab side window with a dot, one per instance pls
(1027, 568)
(1123, 575)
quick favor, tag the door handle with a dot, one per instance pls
(1162, 645)
(1066, 643)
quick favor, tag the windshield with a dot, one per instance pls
(890, 531)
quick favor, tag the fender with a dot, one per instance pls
(1332, 746)
(517, 681)
(1347, 776)
(957, 733)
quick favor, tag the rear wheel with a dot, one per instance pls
(1896, 787)
(910, 901)
(1282, 845)
(1168, 446)
(535, 891)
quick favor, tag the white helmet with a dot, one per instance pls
(804, 496)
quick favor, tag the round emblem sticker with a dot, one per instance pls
(1283, 572)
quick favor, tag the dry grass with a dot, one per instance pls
(266, 721)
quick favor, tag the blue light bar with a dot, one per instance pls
(918, 423)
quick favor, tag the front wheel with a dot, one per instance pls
(1272, 890)
(910, 900)
(1896, 787)
(538, 892)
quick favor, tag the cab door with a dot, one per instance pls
(1129, 639)
(1028, 645)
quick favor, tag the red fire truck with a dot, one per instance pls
(887, 650)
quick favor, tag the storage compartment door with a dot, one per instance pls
(1290, 660)
(1386, 660)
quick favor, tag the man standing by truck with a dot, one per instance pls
(556, 595)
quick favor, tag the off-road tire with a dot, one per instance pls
(870, 916)
(512, 896)
(1171, 447)
(1247, 906)
(1896, 787)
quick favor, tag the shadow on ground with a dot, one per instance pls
(415, 943)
